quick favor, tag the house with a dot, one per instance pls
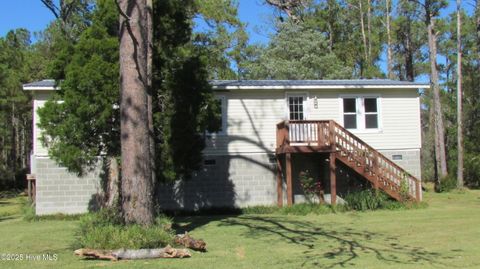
(348, 134)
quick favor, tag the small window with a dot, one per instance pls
(397, 157)
(209, 162)
(350, 113)
(296, 108)
(371, 113)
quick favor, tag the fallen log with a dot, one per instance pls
(133, 254)
(187, 241)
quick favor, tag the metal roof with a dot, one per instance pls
(279, 84)
(312, 84)
(46, 84)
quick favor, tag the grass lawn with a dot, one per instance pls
(444, 235)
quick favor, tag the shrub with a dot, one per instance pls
(310, 186)
(366, 200)
(105, 230)
(447, 183)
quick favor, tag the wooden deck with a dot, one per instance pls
(297, 137)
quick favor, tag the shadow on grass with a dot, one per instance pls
(189, 223)
(4, 218)
(329, 247)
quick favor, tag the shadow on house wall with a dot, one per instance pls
(229, 180)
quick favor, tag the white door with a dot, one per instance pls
(296, 109)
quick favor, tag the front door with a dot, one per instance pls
(296, 106)
(296, 109)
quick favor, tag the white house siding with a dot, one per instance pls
(40, 97)
(252, 117)
(251, 122)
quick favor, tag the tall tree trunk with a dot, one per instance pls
(440, 154)
(137, 189)
(477, 25)
(364, 36)
(150, 90)
(330, 27)
(389, 41)
(369, 30)
(459, 99)
(13, 150)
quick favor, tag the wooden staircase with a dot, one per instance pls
(329, 136)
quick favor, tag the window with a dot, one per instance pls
(222, 120)
(350, 113)
(296, 107)
(371, 113)
(361, 113)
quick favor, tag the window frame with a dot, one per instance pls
(360, 107)
(304, 104)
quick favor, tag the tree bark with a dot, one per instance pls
(330, 26)
(477, 25)
(150, 90)
(440, 154)
(137, 189)
(389, 41)
(369, 29)
(113, 187)
(364, 36)
(459, 99)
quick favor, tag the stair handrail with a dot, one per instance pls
(406, 174)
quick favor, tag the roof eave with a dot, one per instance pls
(312, 87)
(39, 88)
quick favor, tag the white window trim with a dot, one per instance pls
(361, 112)
(224, 117)
(305, 104)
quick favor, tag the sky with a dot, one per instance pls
(32, 15)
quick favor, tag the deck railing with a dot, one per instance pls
(379, 169)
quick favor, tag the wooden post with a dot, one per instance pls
(31, 187)
(279, 183)
(375, 168)
(418, 191)
(333, 179)
(29, 183)
(288, 162)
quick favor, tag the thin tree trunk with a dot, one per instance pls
(459, 99)
(330, 27)
(13, 150)
(389, 42)
(137, 189)
(409, 67)
(369, 29)
(440, 154)
(364, 37)
(477, 25)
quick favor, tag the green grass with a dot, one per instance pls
(446, 234)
